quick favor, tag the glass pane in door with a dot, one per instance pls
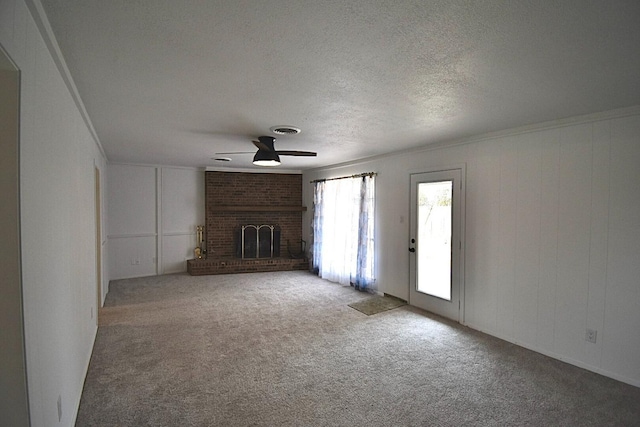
(433, 251)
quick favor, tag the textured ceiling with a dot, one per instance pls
(174, 82)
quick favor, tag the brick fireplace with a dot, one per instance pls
(237, 199)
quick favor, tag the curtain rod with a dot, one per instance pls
(360, 175)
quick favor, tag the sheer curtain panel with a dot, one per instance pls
(343, 233)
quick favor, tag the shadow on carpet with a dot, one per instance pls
(377, 304)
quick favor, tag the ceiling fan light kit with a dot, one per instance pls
(266, 158)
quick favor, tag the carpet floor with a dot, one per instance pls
(285, 349)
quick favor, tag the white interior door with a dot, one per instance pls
(436, 242)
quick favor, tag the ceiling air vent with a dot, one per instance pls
(285, 130)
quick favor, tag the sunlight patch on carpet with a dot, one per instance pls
(376, 305)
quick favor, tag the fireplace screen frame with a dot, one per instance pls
(272, 234)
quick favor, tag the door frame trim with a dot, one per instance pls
(463, 213)
(98, 235)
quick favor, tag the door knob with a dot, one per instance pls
(412, 249)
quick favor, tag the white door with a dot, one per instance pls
(436, 242)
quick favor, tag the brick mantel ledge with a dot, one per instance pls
(232, 208)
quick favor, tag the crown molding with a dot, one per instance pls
(44, 27)
(552, 124)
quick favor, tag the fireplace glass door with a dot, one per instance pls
(258, 241)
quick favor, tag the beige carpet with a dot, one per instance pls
(284, 349)
(377, 304)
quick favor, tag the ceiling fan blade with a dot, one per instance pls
(296, 153)
(260, 145)
(238, 152)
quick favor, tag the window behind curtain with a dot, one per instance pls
(343, 245)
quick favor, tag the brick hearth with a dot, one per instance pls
(200, 267)
(233, 199)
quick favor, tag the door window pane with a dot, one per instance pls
(434, 239)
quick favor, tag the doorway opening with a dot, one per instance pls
(14, 400)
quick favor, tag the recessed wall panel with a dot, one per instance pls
(132, 200)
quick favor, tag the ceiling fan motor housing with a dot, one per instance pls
(267, 141)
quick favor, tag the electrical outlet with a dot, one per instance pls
(59, 408)
(137, 261)
(591, 335)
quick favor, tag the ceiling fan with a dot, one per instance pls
(267, 155)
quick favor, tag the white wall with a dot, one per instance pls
(152, 215)
(552, 235)
(131, 219)
(183, 208)
(58, 230)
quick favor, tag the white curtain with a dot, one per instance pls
(343, 231)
